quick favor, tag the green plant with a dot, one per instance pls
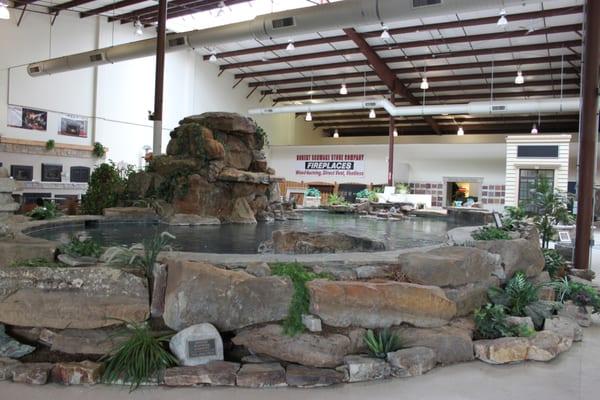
(581, 294)
(142, 256)
(491, 323)
(39, 262)
(141, 358)
(106, 188)
(382, 343)
(550, 209)
(367, 194)
(514, 218)
(47, 211)
(299, 275)
(336, 200)
(402, 188)
(490, 233)
(82, 248)
(554, 263)
(312, 192)
(175, 185)
(50, 144)
(99, 150)
(262, 137)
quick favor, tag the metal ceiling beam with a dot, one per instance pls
(68, 4)
(418, 43)
(410, 29)
(386, 75)
(420, 57)
(445, 67)
(109, 7)
(431, 79)
(187, 10)
(133, 15)
(435, 89)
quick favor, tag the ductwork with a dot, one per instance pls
(541, 106)
(285, 24)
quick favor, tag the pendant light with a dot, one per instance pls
(385, 35)
(372, 114)
(212, 58)
(534, 129)
(290, 46)
(502, 20)
(395, 133)
(308, 117)
(343, 89)
(336, 134)
(4, 13)
(138, 27)
(519, 79)
(424, 84)
(460, 131)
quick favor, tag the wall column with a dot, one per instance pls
(588, 134)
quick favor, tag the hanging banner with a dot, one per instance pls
(27, 118)
(330, 165)
(73, 125)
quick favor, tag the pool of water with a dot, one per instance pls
(245, 238)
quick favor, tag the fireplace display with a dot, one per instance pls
(21, 172)
(51, 173)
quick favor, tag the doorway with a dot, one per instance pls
(462, 191)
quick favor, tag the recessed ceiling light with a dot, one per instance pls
(343, 89)
(460, 131)
(424, 84)
(502, 20)
(519, 79)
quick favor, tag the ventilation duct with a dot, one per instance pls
(285, 24)
(542, 106)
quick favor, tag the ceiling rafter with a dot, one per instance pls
(109, 7)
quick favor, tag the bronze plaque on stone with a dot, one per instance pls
(201, 348)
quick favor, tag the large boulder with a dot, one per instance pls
(198, 292)
(300, 242)
(77, 298)
(452, 344)
(544, 346)
(379, 304)
(448, 266)
(223, 121)
(312, 350)
(471, 296)
(516, 255)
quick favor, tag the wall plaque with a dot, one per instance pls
(201, 348)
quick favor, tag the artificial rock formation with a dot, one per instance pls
(7, 186)
(300, 242)
(214, 168)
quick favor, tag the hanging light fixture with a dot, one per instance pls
(336, 134)
(460, 131)
(212, 58)
(424, 84)
(385, 35)
(534, 129)
(372, 114)
(308, 117)
(519, 79)
(502, 20)
(290, 46)
(221, 8)
(138, 27)
(4, 13)
(395, 133)
(343, 89)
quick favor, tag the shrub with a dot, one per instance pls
(581, 294)
(491, 323)
(336, 200)
(142, 357)
(402, 188)
(99, 150)
(554, 263)
(299, 275)
(367, 194)
(47, 211)
(490, 233)
(514, 219)
(550, 209)
(312, 192)
(106, 188)
(382, 343)
(82, 248)
(50, 144)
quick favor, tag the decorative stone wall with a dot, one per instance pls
(435, 189)
(493, 194)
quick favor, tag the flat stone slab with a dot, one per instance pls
(305, 377)
(564, 326)
(266, 375)
(192, 220)
(7, 365)
(77, 373)
(215, 373)
(81, 298)
(413, 361)
(12, 348)
(363, 368)
(452, 344)
(32, 373)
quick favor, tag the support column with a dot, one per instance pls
(391, 146)
(159, 77)
(588, 133)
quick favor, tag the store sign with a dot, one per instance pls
(330, 165)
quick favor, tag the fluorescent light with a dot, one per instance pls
(139, 27)
(395, 133)
(4, 13)
(519, 79)
(502, 20)
(343, 89)
(460, 131)
(372, 114)
(212, 58)
(308, 116)
(290, 46)
(385, 35)
(336, 134)
(534, 129)
(424, 84)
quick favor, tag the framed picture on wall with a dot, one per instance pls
(27, 118)
(73, 125)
